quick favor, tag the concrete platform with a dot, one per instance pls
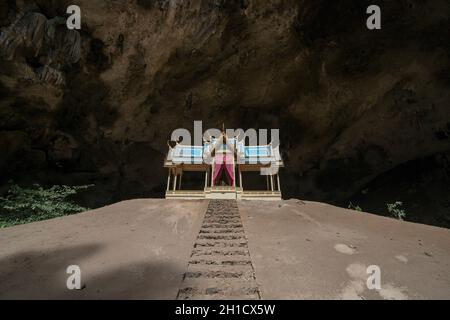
(300, 250)
(223, 194)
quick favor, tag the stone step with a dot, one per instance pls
(220, 258)
(236, 267)
(219, 225)
(215, 293)
(221, 231)
(206, 219)
(220, 252)
(222, 213)
(224, 223)
(233, 261)
(219, 274)
(221, 237)
(219, 244)
(222, 283)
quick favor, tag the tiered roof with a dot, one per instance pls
(185, 154)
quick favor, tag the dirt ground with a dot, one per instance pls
(131, 250)
(306, 250)
(140, 249)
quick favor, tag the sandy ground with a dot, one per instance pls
(305, 250)
(131, 250)
(300, 250)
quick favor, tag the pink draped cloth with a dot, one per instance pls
(224, 163)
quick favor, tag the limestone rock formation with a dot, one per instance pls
(359, 111)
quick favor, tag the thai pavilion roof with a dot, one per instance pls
(245, 154)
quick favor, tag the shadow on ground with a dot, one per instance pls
(42, 275)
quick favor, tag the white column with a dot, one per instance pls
(168, 180)
(271, 182)
(240, 178)
(206, 179)
(175, 182)
(212, 174)
(267, 183)
(181, 178)
(235, 175)
(279, 185)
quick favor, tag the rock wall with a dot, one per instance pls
(98, 105)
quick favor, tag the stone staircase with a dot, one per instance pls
(220, 266)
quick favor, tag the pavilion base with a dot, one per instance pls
(224, 193)
(260, 195)
(221, 193)
(185, 195)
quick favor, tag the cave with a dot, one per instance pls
(363, 114)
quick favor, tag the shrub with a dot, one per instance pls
(24, 205)
(351, 206)
(396, 210)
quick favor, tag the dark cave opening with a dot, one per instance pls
(422, 185)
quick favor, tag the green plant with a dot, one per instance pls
(24, 205)
(396, 210)
(351, 206)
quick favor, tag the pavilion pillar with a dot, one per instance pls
(181, 178)
(278, 180)
(168, 180)
(175, 182)
(271, 183)
(267, 183)
(240, 179)
(206, 179)
(235, 176)
(212, 174)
